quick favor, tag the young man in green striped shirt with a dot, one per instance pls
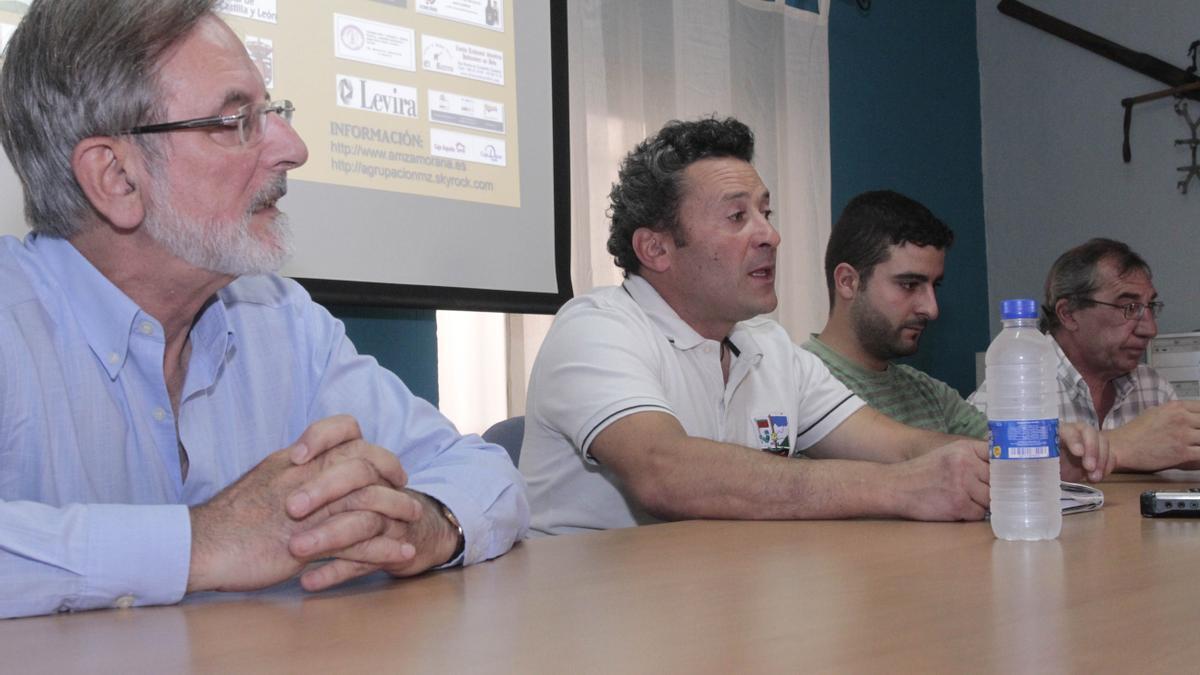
(885, 258)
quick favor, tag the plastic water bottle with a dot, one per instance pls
(1022, 411)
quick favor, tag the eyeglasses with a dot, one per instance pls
(1134, 310)
(249, 123)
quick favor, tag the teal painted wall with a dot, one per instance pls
(904, 115)
(402, 340)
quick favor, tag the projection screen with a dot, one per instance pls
(437, 174)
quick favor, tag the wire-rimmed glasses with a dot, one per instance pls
(1133, 311)
(244, 127)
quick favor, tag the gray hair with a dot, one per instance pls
(75, 69)
(1074, 277)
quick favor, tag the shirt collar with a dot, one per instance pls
(105, 314)
(212, 338)
(676, 329)
(1068, 373)
(1066, 370)
(678, 332)
(828, 355)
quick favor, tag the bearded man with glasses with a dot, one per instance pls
(1102, 310)
(175, 417)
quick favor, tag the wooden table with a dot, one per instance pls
(1115, 593)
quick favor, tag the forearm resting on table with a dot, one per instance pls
(1138, 450)
(869, 435)
(675, 476)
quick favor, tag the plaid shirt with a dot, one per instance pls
(1137, 391)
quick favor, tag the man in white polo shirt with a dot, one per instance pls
(665, 399)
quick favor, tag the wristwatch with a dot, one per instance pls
(462, 538)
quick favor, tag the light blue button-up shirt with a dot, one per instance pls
(93, 508)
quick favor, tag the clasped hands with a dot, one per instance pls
(330, 495)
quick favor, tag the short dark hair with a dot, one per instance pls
(874, 221)
(1075, 275)
(649, 183)
(80, 68)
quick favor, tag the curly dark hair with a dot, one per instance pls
(648, 186)
(874, 221)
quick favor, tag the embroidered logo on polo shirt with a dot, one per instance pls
(773, 433)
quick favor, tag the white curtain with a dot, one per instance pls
(636, 65)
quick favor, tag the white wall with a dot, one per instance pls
(487, 379)
(11, 200)
(472, 369)
(1052, 168)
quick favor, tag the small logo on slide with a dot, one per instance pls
(262, 53)
(345, 90)
(438, 57)
(353, 38)
(374, 96)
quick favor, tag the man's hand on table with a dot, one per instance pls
(947, 483)
(1084, 453)
(1163, 437)
(329, 495)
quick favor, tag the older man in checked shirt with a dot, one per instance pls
(1101, 309)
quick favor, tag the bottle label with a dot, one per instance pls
(1024, 439)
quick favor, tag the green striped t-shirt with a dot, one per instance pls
(905, 394)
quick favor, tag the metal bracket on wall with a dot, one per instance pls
(1128, 104)
(1191, 170)
(1183, 83)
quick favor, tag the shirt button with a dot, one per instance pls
(124, 602)
(160, 414)
(147, 328)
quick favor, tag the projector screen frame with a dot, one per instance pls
(412, 296)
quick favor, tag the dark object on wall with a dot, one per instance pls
(1178, 92)
(1182, 83)
(1192, 170)
(1142, 63)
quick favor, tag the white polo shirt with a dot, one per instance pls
(621, 350)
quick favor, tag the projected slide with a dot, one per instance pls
(438, 147)
(416, 97)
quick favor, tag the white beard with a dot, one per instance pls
(225, 248)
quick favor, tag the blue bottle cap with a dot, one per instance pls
(1023, 308)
